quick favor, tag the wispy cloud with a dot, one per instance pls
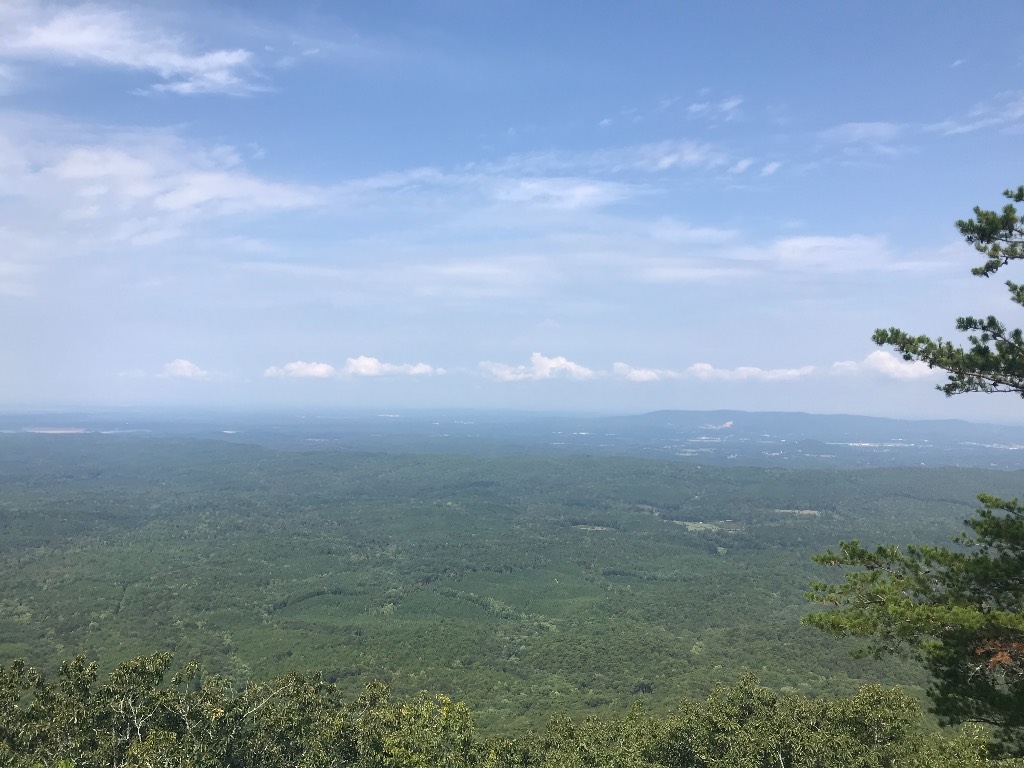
(70, 189)
(877, 138)
(811, 255)
(822, 254)
(416, 273)
(675, 231)
(322, 38)
(561, 193)
(851, 253)
(161, 173)
(886, 364)
(726, 109)
(676, 270)
(854, 133)
(106, 37)
(451, 235)
(1004, 112)
(653, 157)
(457, 279)
(540, 367)
(664, 156)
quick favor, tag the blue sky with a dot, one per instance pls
(569, 206)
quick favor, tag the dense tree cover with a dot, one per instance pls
(145, 715)
(959, 609)
(526, 586)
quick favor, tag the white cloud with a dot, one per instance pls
(707, 372)
(371, 366)
(540, 367)
(769, 169)
(71, 190)
(108, 37)
(301, 370)
(644, 374)
(846, 367)
(741, 165)
(362, 366)
(184, 369)
(887, 364)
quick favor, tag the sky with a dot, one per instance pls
(577, 206)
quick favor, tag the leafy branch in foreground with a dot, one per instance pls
(137, 719)
(994, 359)
(958, 610)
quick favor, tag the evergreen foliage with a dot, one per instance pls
(994, 359)
(958, 609)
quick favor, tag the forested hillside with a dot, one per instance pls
(525, 586)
